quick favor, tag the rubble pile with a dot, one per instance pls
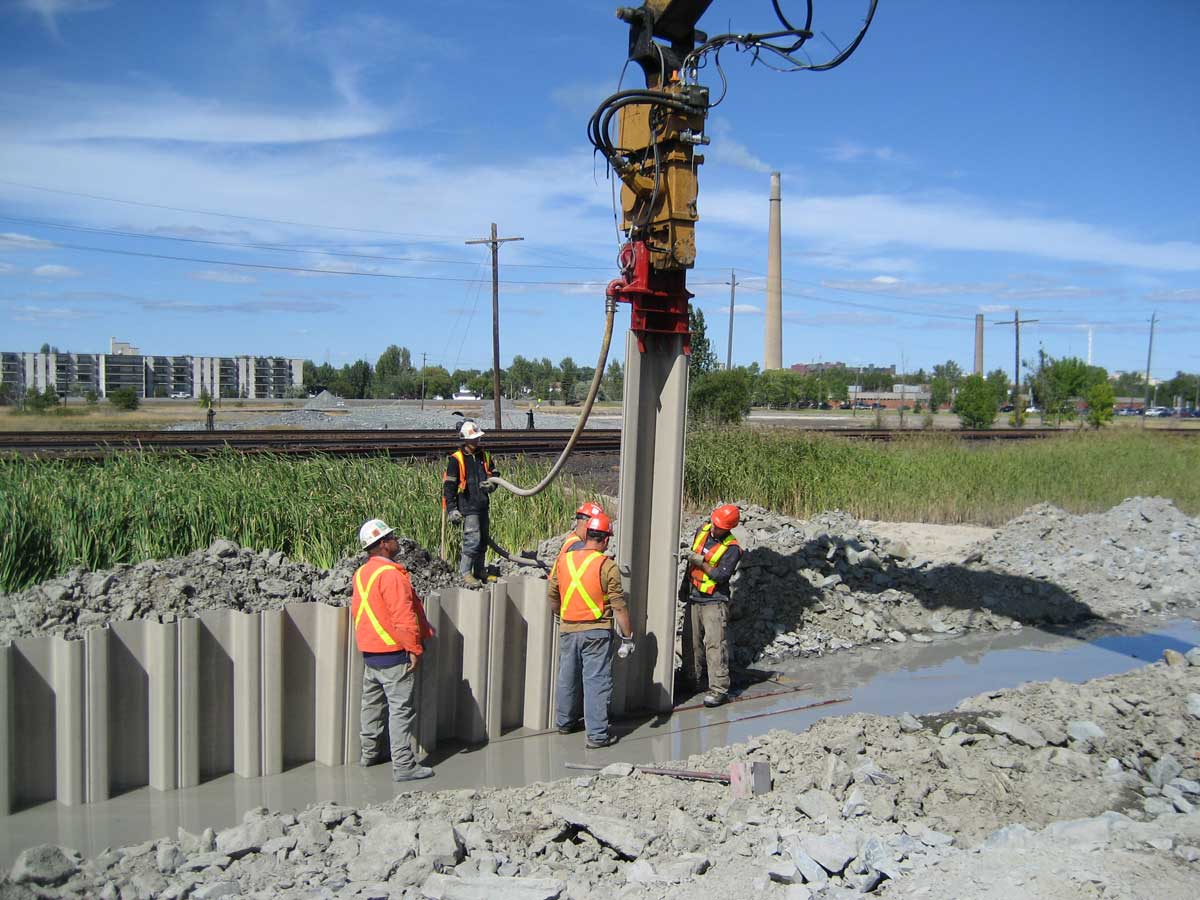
(829, 583)
(1045, 791)
(223, 576)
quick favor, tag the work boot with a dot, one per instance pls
(712, 698)
(470, 581)
(572, 728)
(367, 761)
(599, 743)
(414, 774)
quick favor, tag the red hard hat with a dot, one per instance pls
(600, 522)
(588, 510)
(726, 517)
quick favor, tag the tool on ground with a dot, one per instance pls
(747, 779)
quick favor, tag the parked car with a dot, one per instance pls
(1158, 412)
(1127, 411)
(1007, 407)
(825, 406)
(1030, 410)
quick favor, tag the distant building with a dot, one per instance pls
(818, 367)
(75, 374)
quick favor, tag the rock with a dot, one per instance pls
(44, 864)
(223, 549)
(815, 804)
(149, 884)
(1010, 837)
(641, 872)
(1157, 806)
(910, 724)
(249, 837)
(1087, 734)
(1193, 656)
(784, 871)
(1174, 658)
(1166, 768)
(1193, 705)
(685, 867)
(169, 857)
(684, 833)
(808, 867)
(616, 770)
(832, 851)
(798, 892)
(439, 842)
(626, 840)
(217, 889)
(855, 805)
(870, 773)
(397, 838)
(372, 866)
(452, 887)
(201, 861)
(1014, 730)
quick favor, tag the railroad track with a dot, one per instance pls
(398, 443)
(405, 444)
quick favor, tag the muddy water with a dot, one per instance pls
(911, 677)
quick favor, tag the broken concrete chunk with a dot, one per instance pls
(831, 851)
(440, 843)
(45, 865)
(1164, 769)
(815, 804)
(910, 723)
(618, 834)
(1014, 731)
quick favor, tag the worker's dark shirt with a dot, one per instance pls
(724, 570)
(473, 500)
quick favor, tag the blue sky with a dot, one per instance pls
(970, 157)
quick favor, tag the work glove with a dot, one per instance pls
(696, 559)
(626, 647)
(455, 517)
(487, 487)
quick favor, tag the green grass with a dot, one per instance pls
(55, 515)
(934, 477)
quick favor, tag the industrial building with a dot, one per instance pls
(75, 374)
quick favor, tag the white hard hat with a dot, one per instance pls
(373, 530)
(470, 431)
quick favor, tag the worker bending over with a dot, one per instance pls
(585, 590)
(714, 558)
(466, 497)
(391, 629)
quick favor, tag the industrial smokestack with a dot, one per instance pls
(979, 343)
(773, 337)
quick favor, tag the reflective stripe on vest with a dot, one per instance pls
(365, 607)
(577, 587)
(485, 460)
(712, 556)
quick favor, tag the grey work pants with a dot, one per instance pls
(388, 695)
(475, 540)
(705, 638)
(584, 656)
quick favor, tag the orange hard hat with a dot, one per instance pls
(600, 522)
(588, 510)
(726, 517)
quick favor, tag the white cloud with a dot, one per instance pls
(1181, 295)
(53, 313)
(56, 271)
(247, 307)
(222, 277)
(11, 241)
(7, 268)
(50, 10)
(850, 151)
(879, 220)
(885, 279)
(725, 148)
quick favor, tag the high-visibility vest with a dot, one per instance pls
(712, 556)
(571, 541)
(368, 630)
(485, 460)
(579, 586)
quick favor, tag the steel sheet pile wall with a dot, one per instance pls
(173, 705)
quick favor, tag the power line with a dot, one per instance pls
(430, 238)
(277, 247)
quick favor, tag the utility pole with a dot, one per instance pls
(495, 242)
(733, 283)
(422, 381)
(1016, 323)
(1149, 354)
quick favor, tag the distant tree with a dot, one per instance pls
(720, 397)
(438, 382)
(1130, 384)
(613, 385)
(358, 375)
(205, 400)
(1100, 400)
(950, 370)
(6, 394)
(997, 380)
(43, 402)
(1058, 383)
(939, 391)
(703, 360)
(45, 348)
(392, 362)
(125, 399)
(90, 397)
(975, 404)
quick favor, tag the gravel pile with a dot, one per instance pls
(811, 587)
(224, 576)
(1047, 791)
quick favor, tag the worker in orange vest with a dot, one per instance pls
(585, 591)
(711, 563)
(391, 629)
(466, 494)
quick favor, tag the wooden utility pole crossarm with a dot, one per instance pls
(495, 242)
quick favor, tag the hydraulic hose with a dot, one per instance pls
(610, 311)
